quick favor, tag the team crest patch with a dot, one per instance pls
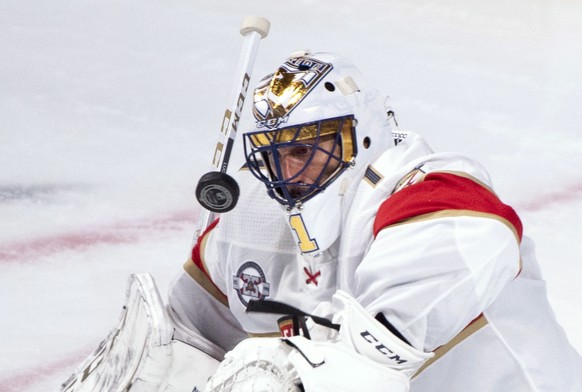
(250, 283)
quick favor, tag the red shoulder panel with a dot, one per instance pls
(443, 192)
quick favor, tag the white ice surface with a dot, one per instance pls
(109, 111)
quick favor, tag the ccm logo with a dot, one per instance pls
(230, 124)
(368, 337)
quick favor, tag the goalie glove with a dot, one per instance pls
(362, 355)
(368, 337)
(255, 365)
(299, 364)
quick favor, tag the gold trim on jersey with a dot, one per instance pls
(457, 213)
(417, 176)
(204, 281)
(469, 330)
(467, 176)
(276, 334)
(413, 177)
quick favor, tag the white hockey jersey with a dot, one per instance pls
(425, 242)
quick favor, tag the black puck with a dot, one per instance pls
(217, 192)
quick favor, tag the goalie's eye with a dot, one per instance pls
(297, 152)
(294, 155)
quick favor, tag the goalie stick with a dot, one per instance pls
(149, 350)
(217, 191)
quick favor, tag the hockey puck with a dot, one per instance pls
(217, 192)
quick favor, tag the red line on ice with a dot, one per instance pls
(131, 231)
(566, 195)
(117, 233)
(21, 381)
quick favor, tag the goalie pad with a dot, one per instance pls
(140, 354)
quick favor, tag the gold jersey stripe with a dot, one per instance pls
(203, 280)
(457, 213)
(465, 175)
(475, 326)
(276, 334)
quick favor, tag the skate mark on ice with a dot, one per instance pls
(34, 193)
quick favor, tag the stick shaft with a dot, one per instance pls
(230, 120)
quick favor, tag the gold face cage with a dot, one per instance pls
(262, 146)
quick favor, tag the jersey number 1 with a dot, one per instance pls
(306, 244)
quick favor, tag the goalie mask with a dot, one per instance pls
(318, 126)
